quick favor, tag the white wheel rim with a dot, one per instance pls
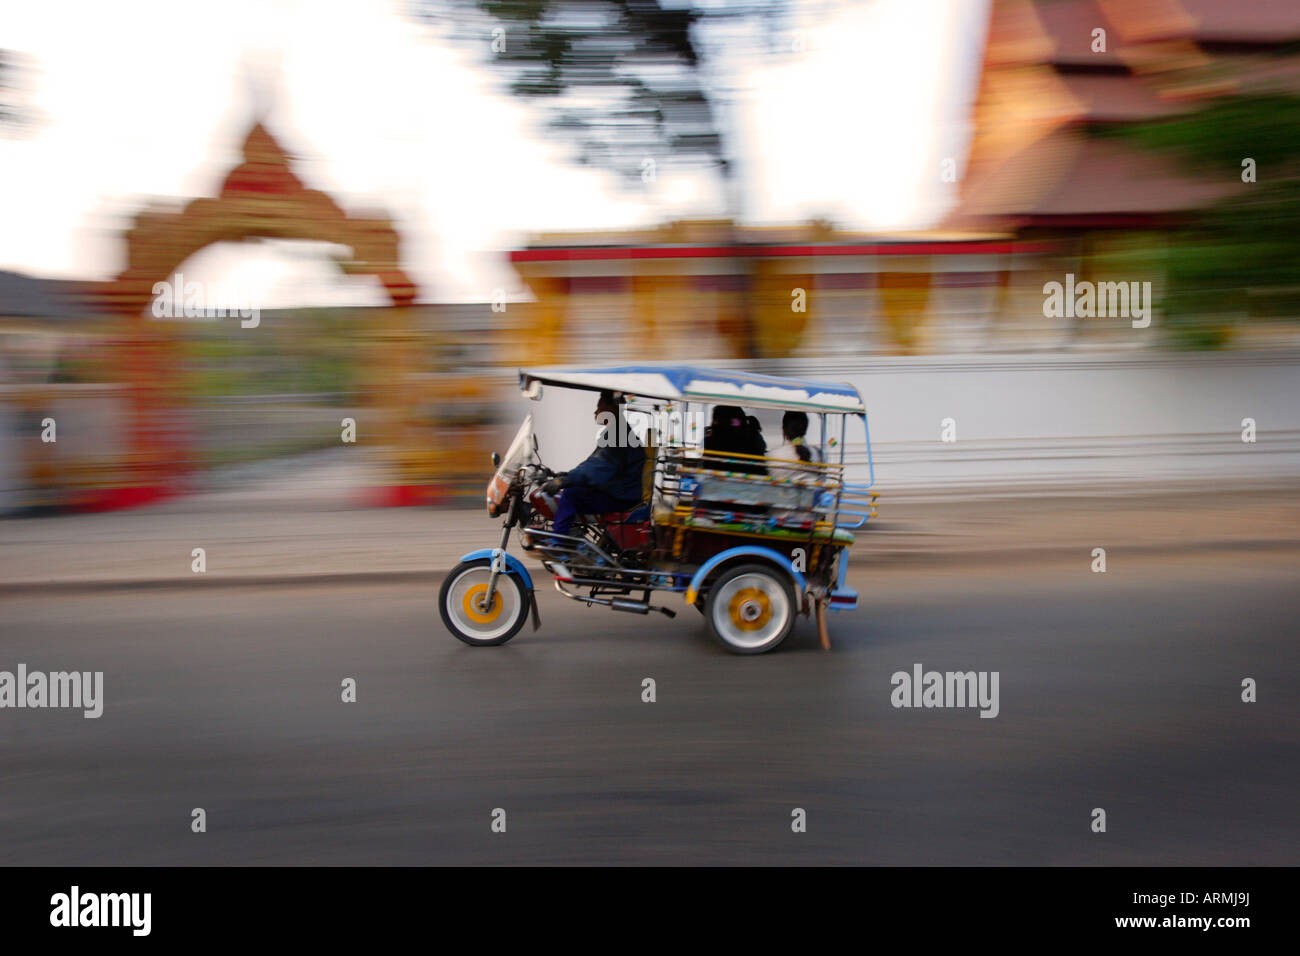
(471, 618)
(750, 610)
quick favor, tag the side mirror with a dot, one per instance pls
(496, 459)
(536, 447)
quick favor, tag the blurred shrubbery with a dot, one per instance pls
(1247, 243)
(305, 352)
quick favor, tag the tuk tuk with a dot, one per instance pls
(748, 540)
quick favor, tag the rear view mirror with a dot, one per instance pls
(496, 459)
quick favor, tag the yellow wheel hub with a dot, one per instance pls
(472, 605)
(750, 609)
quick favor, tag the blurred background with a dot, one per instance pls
(420, 197)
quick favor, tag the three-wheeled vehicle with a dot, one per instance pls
(750, 541)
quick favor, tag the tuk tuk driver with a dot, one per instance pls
(609, 479)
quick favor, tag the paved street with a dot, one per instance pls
(1118, 690)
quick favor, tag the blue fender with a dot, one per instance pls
(775, 557)
(513, 564)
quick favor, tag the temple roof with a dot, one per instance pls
(1042, 89)
(1266, 22)
(1068, 174)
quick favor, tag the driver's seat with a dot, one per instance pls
(631, 528)
(638, 514)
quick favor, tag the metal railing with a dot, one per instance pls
(808, 496)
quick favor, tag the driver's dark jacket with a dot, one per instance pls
(615, 470)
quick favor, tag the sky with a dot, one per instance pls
(150, 100)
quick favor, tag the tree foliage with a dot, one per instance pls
(1240, 257)
(622, 80)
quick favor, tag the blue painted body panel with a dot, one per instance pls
(843, 597)
(757, 551)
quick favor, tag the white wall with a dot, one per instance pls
(1102, 419)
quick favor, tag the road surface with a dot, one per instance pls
(1119, 691)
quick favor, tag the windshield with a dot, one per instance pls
(520, 450)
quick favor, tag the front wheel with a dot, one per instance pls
(461, 604)
(751, 608)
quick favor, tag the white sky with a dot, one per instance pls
(149, 99)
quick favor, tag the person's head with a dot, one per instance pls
(728, 416)
(608, 403)
(794, 425)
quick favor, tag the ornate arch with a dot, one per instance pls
(261, 197)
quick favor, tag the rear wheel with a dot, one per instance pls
(466, 615)
(751, 608)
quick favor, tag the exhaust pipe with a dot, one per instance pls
(635, 607)
(618, 604)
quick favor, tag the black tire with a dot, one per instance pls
(751, 608)
(512, 603)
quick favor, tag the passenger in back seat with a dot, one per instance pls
(735, 432)
(794, 426)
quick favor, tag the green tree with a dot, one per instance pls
(1240, 257)
(624, 81)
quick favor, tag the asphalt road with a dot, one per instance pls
(1119, 690)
